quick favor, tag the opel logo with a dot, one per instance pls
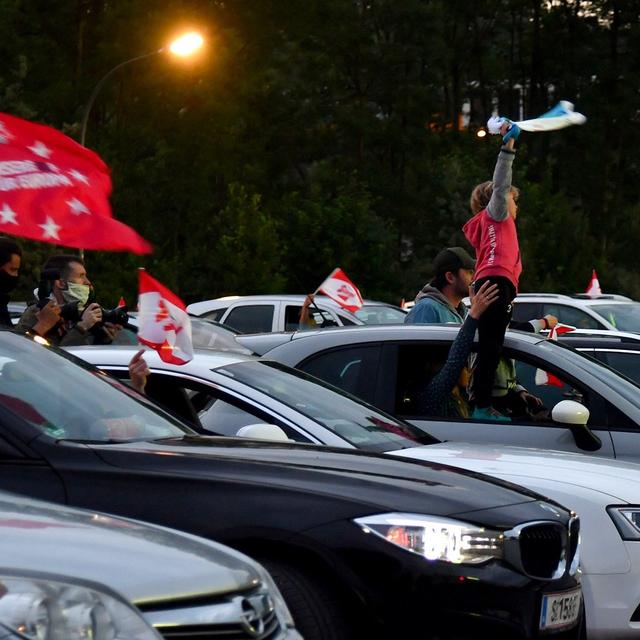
(250, 619)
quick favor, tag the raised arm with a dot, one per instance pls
(497, 207)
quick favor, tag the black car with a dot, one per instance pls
(361, 545)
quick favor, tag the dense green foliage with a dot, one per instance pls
(321, 133)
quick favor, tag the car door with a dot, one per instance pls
(22, 469)
(624, 433)
(407, 366)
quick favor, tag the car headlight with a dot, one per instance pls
(627, 521)
(59, 609)
(280, 606)
(436, 538)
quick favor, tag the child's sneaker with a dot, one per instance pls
(489, 413)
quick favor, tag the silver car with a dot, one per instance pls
(384, 365)
(184, 586)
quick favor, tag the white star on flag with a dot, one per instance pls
(77, 207)
(50, 229)
(40, 149)
(8, 215)
(80, 177)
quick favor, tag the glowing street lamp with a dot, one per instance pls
(481, 133)
(183, 47)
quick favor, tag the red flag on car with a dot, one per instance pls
(546, 378)
(594, 290)
(55, 190)
(341, 290)
(163, 321)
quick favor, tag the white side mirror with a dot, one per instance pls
(570, 412)
(263, 432)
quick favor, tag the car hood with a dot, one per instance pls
(361, 483)
(618, 479)
(144, 563)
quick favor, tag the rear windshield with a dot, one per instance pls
(360, 424)
(624, 317)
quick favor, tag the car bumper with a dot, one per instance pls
(404, 593)
(610, 602)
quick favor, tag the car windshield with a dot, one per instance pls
(68, 399)
(624, 317)
(360, 424)
(207, 335)
(380, 314)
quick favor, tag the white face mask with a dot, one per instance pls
(76, 293)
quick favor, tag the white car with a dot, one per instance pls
(277, 312)
(604, 312)
(231, 394)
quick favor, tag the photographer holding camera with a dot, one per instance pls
(64, 314)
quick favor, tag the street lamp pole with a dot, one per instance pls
(96, 90)
(183, 47)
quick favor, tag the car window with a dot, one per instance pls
(380, 314)
(65, 398)
(572, 316)
(255, 318)
(626, 362)
(216, 314)
(418, 364)
(525, 311)
(317, 318)
(348, 369)
(624, 317)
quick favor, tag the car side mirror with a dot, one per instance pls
(575, 416)
(263, 431)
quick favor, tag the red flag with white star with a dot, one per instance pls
(55, 190)
(163, 321)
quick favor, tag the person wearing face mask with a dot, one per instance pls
(10, 259)
(69, 285)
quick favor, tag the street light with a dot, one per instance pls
(184, 46)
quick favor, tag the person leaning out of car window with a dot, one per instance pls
(10, 259)
(63, 314)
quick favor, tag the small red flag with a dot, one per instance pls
(55, 190)
(594, 290)
(341, 290)
(122, 302)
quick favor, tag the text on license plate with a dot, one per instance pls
(560, 609)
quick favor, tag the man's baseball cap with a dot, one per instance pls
(452, 259)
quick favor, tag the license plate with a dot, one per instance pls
(560, 610)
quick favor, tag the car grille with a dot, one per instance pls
(222, 631)
(250, 616)
(544, 550)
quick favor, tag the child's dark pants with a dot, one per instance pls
(491, 329)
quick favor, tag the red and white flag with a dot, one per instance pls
(163, 321)
(55, 190)
(341, 290)
(558, 330)
(593, 290)
(545, 378)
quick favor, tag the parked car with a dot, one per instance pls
(235, 393)
(184, 586)
(352, 539)
(258, 314)
(385, 367)
(608, 312)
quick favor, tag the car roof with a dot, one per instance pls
(600, 338)
(577, 299)
(335, 336)
(219, 303)
(120, 356)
